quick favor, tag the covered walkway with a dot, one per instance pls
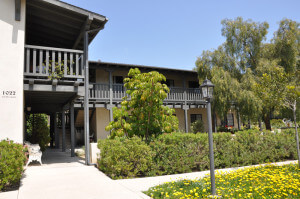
(62, 176)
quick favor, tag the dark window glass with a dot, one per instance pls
(195, 117)
(118, 79)
(194, 84)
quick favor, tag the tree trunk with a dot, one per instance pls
(215, 122)
(239, 120)
(296, 132)
(267, 121)
(259, 124)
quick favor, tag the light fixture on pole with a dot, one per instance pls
(207, 89)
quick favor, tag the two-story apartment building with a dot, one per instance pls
(40, 37)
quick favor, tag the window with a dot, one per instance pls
(117, 79)
(118, 83)
(195, 117)
(169, 83)
(230, 119)
(92, 75)
(194, 84)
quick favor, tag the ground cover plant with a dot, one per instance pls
(12, 160)
(269, 181)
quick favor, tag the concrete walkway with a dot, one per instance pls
(63, 177)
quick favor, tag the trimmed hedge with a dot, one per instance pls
(12, 160)
(125, 158)
(186, 152)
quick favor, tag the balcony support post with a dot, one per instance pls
(110, 96)
(56, 132)
(63, 123)
(86, 98)
(72, 127)
(186, 108)
(51, 129)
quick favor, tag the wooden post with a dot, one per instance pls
(63, 124)
(56, 133)
(51, 129)
(72, 127)
(185, 108)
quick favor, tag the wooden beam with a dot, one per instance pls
(86, 26)
(76, 9)
(18, 10)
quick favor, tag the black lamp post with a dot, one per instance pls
(207, 89)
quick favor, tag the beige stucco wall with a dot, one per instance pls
(11, 71)
(102, 76)
(102, 120)
(180, 115)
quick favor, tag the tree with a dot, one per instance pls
(287, 45)
(244, 40)
(246, 64)
(269, 87)
(143, 113)
(250, 105)
(292, 95)
(225, 74)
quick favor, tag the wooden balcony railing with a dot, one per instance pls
(102, 92)
(44, 62)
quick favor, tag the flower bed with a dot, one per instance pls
(269, 181)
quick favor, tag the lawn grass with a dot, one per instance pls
(270, 181)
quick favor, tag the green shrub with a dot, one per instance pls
(180, 152)
(125, 158)
(277, 123)
(197, 126)
(12, 159)
(185, 152)
(38, 131)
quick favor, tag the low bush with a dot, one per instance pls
(277, 123)
(180, 152)
(125, 157)
(197, 127)
(12, 159)
(186, 152)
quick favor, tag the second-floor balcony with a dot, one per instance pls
(101, 92)
(53, 63)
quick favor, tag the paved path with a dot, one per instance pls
(64, 177)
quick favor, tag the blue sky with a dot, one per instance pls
(174, 33)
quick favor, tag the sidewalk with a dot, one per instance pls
(63, 177)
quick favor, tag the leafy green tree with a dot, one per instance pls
(244, 40)
(143, 113)
(292, 95)
(250, 105)
(269, 87)
(287, 45)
